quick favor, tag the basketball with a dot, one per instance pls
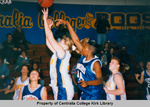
(45, 3)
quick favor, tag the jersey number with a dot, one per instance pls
(79, 75)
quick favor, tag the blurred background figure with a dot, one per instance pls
(35, 66)
(9, 50)
(106, 47)
(19, 38)
(102, 27)
(140, 67)
(21, 60)
(4, 73)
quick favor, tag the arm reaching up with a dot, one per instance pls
(73, 34)
(53, 45)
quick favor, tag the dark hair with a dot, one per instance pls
(61, 25)
(106, 43)
(94, 47)
(8, 35)
(36, 64)
(25, 65)
(24, 51)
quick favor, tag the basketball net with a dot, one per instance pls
(5, 2)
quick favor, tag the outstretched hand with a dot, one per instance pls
(60, 21)
(45, 13)
(45, 17)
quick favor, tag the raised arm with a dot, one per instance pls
(49, 45)
(49, 35)
(72, 33)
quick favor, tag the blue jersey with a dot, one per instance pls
(147, 84)
(26, 92)
(85, 72)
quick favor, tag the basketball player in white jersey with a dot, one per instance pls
(20, 82)
(61, 81)
(33, 91)
(115, 86)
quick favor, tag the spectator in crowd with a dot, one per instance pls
(103, 58)
(10, 51)
(4, 73)
(19, 82)
(106, 47)
(140, 67)
(35, 66)
(19, 38)
(8, 84)
(21, 60)
(1, 51)
(110, 54)
(145, 80)
(60, 32)
(124, 56)
(101, 25)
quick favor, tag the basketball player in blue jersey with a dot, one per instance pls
(145, 79)
(115, 86)
(89, 72)
(61, 81)
(33, 91)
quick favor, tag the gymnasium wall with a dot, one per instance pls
(127, 21)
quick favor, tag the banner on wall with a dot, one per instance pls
(81, 17)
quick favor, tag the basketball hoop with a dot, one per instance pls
(5, 2)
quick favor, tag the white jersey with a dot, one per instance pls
(60, 77)
(111, 85)
(19, 85)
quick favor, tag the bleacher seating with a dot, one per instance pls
(42, 55)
